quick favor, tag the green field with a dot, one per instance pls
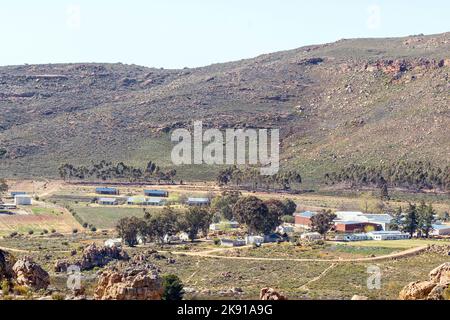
(106, 217)
(397, 244)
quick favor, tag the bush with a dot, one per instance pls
(288, 219)
(173, 288)
(85, 225)
(93, 229)
(21, 290)
(75, 231)
(5, 287)
(53, 231)
(45, 231)
(58, 296)
(13, 234)
(216, 241)
(30, 232)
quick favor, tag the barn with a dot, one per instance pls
(156, 193)
(110, 191)
(303, 219)
(356, 226)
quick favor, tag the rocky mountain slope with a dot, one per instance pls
(353, 101)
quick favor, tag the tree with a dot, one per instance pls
(384, 190)
(396, 221)
(410, 223)
(128, 229)
(194, 220)
(322, 222)
(425, 219)
(224, 203)
(276, 210)
(252, 212)
(289, 207)
(3, 186)
(173, 288)
(160, 224)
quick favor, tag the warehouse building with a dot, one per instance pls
(110, 191)
(108, 202)
(22, 200)
(156, 193)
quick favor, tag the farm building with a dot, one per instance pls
(273, 238)
(17, 193)
(355, 216)
(224, 225)
(232, 243)
(22, 200)
(303, 219)
(311, 236)
(156, 193)
(143, 201)
(352, 237)
(199, 202)
(440, 230)
(111, 191)
(387, 235)
(108, 202)
(356, 226)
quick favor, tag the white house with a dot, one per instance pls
(108, 201)
(22, 200)
(198, 202)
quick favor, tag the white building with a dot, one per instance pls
(440, 230)
(352, 237)
(224, 225)
(387, 235)
(22, 200)
(254, 240)
(113, 243)
(108, 201)
(311, 236)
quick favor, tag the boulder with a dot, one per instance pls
(441, 274)
(7, 262)
(30, 274)
(418, 290)
(271, 294)
(133, 282)
(440, 292)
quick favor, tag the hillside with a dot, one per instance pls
(353, 101)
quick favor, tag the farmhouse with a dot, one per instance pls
(110, 191)
(199, 202)
(440, 230)
(136, 201)
(303, 219)
(387, 235)
(108, 202)
(156, 193)
(22, 200)
(356, 226)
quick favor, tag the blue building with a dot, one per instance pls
(111, 191)
(156, 193)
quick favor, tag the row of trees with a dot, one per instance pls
(410, 175)
(252, 178)
(154, 227)
(260, 217)
(108, 171)
(416, 219)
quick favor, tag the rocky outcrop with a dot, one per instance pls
(271, 294)
(6, 265)
(134, 281)
(93, 256)
(436, 288)
(439, 249)
(30, 274)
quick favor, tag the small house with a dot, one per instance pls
(17, 193)
(108, 202)
(156, 193)
(258, 240)
(22, 200)
(198, 202)
(232, 242)
(110, 191)
(137, 201)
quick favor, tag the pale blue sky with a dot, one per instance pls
(179, 33)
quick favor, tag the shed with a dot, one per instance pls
(111, 191)
(198, 202)
(155, 202)
(440, 230)
(156, 193)
(108, 201)
(22, 200)
(311, 236)
(388, 235)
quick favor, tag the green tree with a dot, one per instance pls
(289, 207)
(128, 229)
(425, 219)
(410, 223)
(251, 212)
(160, 224)
(194, 220)
(276, 210)
(173, 288)
(396, 221)
(322, 222)
(224, 203)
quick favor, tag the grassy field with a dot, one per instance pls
(395, 244)
(106, 217)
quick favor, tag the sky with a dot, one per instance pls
(193, 33)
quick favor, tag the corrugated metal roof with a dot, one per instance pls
(106, 189)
